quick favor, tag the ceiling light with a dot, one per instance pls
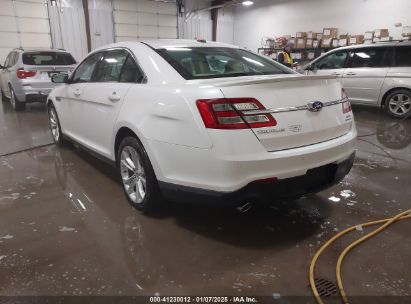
(248, 3)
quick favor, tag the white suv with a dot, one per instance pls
(195, 120)
(377, 75)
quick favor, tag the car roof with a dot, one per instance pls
(41, 50)
(165, 43)
(378, 44)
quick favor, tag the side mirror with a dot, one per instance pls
(59, 78)
(309, 67)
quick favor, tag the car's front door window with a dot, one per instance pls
(85, 70)
(335, 60)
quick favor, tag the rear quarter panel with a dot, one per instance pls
(398, 77)
(166, 114)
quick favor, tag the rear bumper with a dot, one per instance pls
(36, 97)
(314, 180)
(29, 92)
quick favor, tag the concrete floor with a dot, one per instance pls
(67, 229)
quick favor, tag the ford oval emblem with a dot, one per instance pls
(315, 106)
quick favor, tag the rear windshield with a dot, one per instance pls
(48, 58)
(212, 62)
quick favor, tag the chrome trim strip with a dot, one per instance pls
(291, 109)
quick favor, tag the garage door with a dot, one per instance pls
(136, 19)
(23, 23)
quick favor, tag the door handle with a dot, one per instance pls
(114, 97)
(77, 92)
(335, 74)
(351, 74)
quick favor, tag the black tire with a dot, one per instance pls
(55, 126)
(15, 103)
(395, 99)
(3, 97)
(152, 197)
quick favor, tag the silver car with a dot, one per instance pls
(377, 74)
(26, 75)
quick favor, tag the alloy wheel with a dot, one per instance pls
(55, 130)
(133, 174)
(400, 104)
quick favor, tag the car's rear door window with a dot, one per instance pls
(48, 58)
(403, 56)
(217, 62)
(131, 72)
(369, 57)
(109, 69)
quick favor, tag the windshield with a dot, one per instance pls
(213, 62)
(48, 58)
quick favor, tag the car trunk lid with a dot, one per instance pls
(288, 98)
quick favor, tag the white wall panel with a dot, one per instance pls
(198, 25)
(8, 24)
(6, 8)
(34, 40)
(31, 25)
(9, 40)
(101, 22)
(23, 23)
(32, 10)
(68, 26)
(134, 19)
(225, 25)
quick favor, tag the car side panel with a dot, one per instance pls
(363, 85)
(164, 114)
(397, 77)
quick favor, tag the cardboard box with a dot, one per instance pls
(330, 32)
(343, 41)
(335, 43)
(319, 36)
(406, 31)
(316, 43)
(311, 35)
(309, 43)
(310, 55)
(369, 35)
(326, 42)
(385, 39)
(380, 33)
(358, 39)
(292, 40)
(301, 35)
(367, 41)
(296, 56)
(300, 43)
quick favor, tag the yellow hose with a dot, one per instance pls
(386, 222)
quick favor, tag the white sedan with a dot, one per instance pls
(204, 121)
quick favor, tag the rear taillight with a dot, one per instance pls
(231, 113)
(22, 74)
(346, 105)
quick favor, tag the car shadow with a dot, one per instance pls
(264, 225)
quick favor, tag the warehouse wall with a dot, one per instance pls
(199, 25)
(225, 25)
(278, 17)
